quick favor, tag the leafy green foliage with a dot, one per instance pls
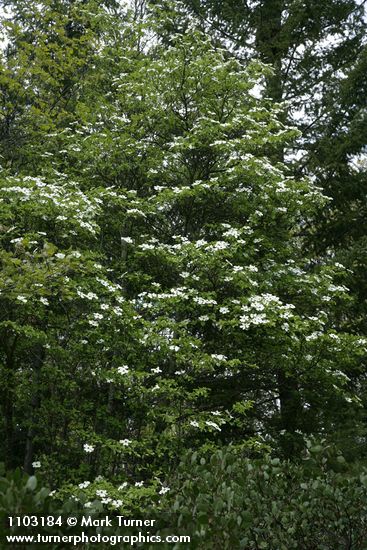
(155, 289)
(317, 51)
(225, 500)
(21, 495)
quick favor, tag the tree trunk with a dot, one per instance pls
(271, 47)
(35, 403)
(268, 43)
(8, 388)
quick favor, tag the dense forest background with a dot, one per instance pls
(184, 264)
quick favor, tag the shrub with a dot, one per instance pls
(233, 502)
(21, 495)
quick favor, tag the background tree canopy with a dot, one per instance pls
(182, 251)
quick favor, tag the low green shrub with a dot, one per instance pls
(232, 502)
(22, 495)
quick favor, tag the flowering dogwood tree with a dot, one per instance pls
(155, 291)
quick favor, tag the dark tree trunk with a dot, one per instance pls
(269, 44)
(35, 403)
(271, 48)
(8, 399)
